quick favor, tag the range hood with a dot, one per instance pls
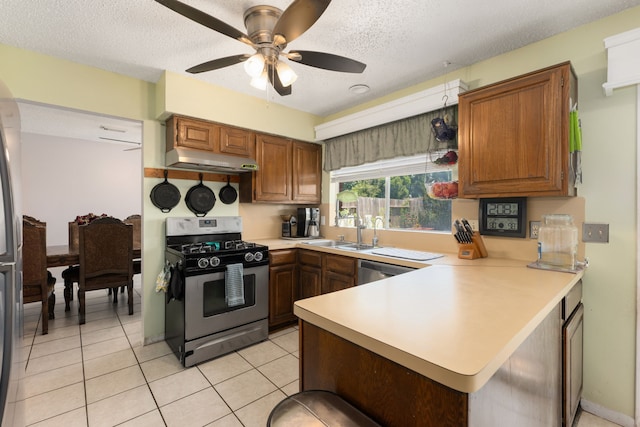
(187, 158)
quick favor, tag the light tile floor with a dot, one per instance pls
(100, 374)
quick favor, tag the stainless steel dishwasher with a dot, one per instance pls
(370, 271)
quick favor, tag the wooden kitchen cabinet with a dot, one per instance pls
(288, 172)
(283, 287)
(236, 141)
(339, 272)
(310, 273)
(306, 172)
(514, 136)
(209, 136)
(192, 133)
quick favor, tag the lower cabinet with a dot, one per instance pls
(300, 273)
(310, 268)
(283, 287)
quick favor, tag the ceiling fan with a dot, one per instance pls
(269, 31)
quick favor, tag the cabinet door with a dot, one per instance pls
(273, 179)
(572, 387)
(237, 142)
(310, 281)
(283, 291)
(307, 172)
(197, 134)
(514, 136)
(332, 281)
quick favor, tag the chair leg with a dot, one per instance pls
(45, 316)
(81, 305)
(68, 294)
(52, 303)
(130, 297)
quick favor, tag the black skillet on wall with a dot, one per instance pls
(228, 194)
(165, 196)
(200, 199)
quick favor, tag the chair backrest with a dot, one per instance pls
(106, 250)
(34, 258)
(136, 222)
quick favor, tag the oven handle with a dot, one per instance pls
(227, 337)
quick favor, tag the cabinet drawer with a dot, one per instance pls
(311, 258)
(284, 256)
(340, 264)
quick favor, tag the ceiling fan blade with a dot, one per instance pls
(298, 18)
(276, 83)
(326, 61)
(206, 20)
(218, 63)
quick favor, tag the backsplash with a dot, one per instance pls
(262, 221)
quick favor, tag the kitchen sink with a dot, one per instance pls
(339, 244)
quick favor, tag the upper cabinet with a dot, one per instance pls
(288, 172)
(514, 136)
(209, 136)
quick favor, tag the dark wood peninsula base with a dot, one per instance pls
(389, 393)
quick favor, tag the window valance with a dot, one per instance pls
(406, 137)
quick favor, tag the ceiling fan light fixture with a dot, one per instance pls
(254, 66)
(260, 82)
(286, 74)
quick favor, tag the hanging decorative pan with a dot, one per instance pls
(228, 194)
(165, 196)
(200, 199)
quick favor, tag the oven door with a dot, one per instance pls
(206, 308)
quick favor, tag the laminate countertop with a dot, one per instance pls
(455, 323)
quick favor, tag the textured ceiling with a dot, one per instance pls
(402, 43)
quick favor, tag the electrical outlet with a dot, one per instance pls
(474, 224)
(534, 228)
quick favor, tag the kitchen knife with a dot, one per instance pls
(459, 231)
(469, 230)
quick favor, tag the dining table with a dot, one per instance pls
(65, 255)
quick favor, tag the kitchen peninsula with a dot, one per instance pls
(446, 345)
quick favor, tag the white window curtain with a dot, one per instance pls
(402, 138)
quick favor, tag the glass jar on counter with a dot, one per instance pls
(558, 241)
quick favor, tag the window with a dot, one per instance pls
(396, 194)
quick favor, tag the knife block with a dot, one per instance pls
(473, 250)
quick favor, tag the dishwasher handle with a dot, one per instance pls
(386, 269)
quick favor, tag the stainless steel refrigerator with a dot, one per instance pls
(10, 258)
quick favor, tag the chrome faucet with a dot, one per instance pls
(374, 242)
(359, 229)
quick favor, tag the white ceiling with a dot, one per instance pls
(402, 43)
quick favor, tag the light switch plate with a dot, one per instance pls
(595, 233)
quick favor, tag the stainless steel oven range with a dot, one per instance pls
(224, 302)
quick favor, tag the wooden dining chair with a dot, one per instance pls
(105, 251)
(136, 222)
(37, 283)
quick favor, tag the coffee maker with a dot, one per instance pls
(307, 216)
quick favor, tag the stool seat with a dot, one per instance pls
(317, 408)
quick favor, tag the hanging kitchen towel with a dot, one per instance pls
(234, 285)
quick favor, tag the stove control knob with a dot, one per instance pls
(258, 256)
(214, 261)
(203, 262)
(248, 257)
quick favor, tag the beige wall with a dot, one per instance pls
(609, 128)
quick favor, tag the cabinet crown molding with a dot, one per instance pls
(623, 60)
(418, 103)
